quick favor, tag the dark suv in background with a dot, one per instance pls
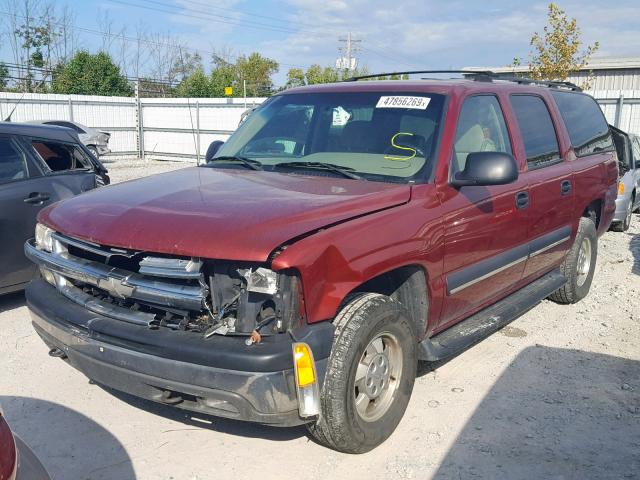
(342, 233)
(39, 165)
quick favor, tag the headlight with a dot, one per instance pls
(44, 239)
(261, 280)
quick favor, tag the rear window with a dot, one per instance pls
(538, 132)
(587, 127)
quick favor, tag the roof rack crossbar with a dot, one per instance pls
(412, 72)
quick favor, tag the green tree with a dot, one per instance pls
(256, 71)
(88, 74)
(4, 76)
(295, 78)
(223, 75)
(556, 53)
(197, 84)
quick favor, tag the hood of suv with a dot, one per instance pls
(215, 213)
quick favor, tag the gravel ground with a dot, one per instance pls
(554, 395)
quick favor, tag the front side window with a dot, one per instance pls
(13, 165)
(537, 130)
(481, 128)
(587, 127)
(59, 156)
(378, 136)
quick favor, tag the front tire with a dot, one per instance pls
(579, 265)
(370, 375)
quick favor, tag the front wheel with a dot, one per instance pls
(370, 375)
(579, 265)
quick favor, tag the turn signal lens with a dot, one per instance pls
(307, 389)
(305, 368)
(620, 188)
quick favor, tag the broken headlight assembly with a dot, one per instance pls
(253, 301)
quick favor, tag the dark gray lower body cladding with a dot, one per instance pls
(487, 321)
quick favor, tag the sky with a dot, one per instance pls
(400, 35)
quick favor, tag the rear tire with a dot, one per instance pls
(579, 265)
(370, 375)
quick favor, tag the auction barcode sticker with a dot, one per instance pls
(399, 101)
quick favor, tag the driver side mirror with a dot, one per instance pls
(213, 149)
(485, 169)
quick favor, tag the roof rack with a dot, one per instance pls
(544, 83)
(413, 72)
(480, 76)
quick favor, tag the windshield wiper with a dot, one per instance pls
(344, 171)
(247, 162)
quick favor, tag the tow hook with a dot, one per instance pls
(57, 353)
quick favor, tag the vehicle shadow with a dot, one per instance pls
(634, 246)
(11, 301)
(202, 420)
(69, 444)
(553, 413)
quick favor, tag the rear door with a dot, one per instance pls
(485, 229)
(549, 178)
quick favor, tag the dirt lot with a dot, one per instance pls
(554, 395)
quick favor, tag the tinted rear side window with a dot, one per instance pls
(587, 127)
(536, 127)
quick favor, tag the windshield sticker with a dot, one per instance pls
(401, 147)
(398, 101)
(340, 117)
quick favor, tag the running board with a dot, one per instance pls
(464, 334)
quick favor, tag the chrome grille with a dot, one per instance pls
(162, 283)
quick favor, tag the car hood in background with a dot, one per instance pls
(217, 213)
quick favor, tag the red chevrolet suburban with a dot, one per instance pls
(343, 233)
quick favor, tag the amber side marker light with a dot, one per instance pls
(306, 380)
(620, 188)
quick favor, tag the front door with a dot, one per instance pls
(485, 227)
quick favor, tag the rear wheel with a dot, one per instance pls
(370, 375)
(579, 265)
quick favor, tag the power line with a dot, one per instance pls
(214, 18)
(261, 26)
(127, 38)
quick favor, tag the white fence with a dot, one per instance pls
(183, 128)
(149, 127)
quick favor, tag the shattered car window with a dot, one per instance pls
(60, 156)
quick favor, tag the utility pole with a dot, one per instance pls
(348, 61)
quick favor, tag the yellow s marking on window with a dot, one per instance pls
(400, 147)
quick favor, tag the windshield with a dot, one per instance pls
(379, 136)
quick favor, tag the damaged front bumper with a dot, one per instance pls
(221, 376)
